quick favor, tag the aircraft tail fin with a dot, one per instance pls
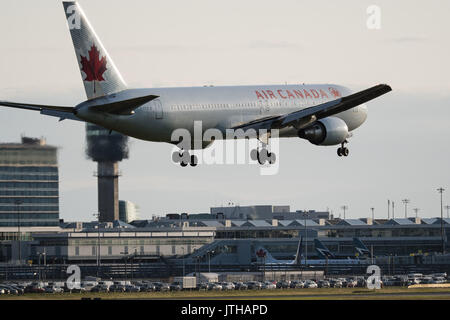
(298, 255)
(99, 74)
(360, 247)
(263, 254)
(321, 250)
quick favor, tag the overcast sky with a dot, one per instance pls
(402, 151)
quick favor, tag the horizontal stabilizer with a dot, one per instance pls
(55, 111)
(36, 107)
(123, 107)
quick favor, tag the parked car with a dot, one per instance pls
(335, 283)
(283, 284)
(52, 289)
(227, 286)
(10, 289)
(202, 286)
(310, 284)
(175, 287)
(100, 288)
(117, 288)
(35, 288)
(269, 285)
(323, 284)
(439, 280)
(214, 286)
(161, 286)
(240, 286)
(254, 285)
(78, 290)
(131, 288)
(351, 283)
(148, 287)
(361, 282)
(296, 284)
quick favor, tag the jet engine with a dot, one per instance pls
(325, 132)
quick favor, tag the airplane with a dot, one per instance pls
(322, 251)
(268, 259)
(327, 257)
(323, 114)
(361, 248)
(264, 257)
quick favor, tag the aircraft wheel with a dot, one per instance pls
(177, 156)
(345, 152)
(339, 152)
(262, 156)
(194, 160)
(254, 154)
(272, 158)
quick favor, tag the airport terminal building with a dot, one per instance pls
(222, 241)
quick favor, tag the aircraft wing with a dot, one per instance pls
(308, 115)
(54, 111)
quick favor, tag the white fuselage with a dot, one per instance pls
(220, 108)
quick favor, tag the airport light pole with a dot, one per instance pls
(389, 205)
(98, 242)
(18, 203)
(372, 209)
(406, 201)
(305, 215)
(447, 207)
(344, 207)
(393, 207)
(209, 260)
(441, 190)
(183, 260)
(415, 211)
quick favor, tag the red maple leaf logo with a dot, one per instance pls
(94, 67)
(261, 253)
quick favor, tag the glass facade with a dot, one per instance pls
(29, 184)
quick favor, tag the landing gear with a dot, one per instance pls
(342, 150)
(184, 158)
(263, 155)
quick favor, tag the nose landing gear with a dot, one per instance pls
(262, 156)
(342, 150)
(184, 158)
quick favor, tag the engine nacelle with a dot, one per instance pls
(325, 132)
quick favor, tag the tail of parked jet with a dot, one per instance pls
(98, 72)
(264, 255)
(298, 255)
(322, 251)
(360, 247)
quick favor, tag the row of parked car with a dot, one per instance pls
(150, 286)
(414, 278)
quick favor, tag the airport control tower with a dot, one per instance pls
(107, 149)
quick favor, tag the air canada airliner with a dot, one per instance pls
(326, 257)
(323, 114)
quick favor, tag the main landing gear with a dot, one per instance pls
(184, 158)
(263, 156)
(342, 150)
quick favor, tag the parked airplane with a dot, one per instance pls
(327, 257)
(322, 251)
(361, 248)
(268, 259)
(323, 114)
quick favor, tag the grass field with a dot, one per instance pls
(391, 293)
